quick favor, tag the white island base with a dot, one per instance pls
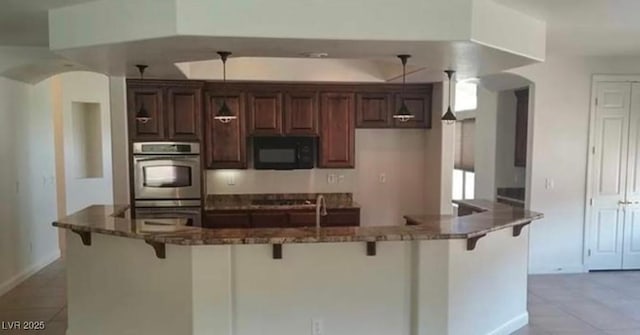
(436, 287)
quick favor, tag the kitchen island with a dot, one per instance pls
(436, 275)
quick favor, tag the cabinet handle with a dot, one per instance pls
(620, 202)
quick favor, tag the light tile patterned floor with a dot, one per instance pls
(605, 303)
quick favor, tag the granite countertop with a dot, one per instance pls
(277, 201)
(490, 216)
(515, 194)
(114, 220)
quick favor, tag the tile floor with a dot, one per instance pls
(604, 303)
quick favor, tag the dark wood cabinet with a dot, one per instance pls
(226, 219)
(269, 219)
(264, 112)
(175, 110)
(183, 110)
(225, 142)
(151, 97)
(374, 110)
(184, 113)
(301, 113)
(522, 116)
(337, 130)
(419, 104)
(276, 218)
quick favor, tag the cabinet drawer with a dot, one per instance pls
(271, 219)
(342, 217)
(226, 220)
(302, 219)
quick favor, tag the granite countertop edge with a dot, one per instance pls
(493, 217)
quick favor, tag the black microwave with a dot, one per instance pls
(284, 153)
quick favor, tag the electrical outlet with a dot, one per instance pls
(331, 178)
(549, 184)
(231, 180)
(340, 179)
(382, 178)
(317, 327)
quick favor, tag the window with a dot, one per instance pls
(466, 96)
(464, 172)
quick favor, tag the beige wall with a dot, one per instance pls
(27, 182)
(558, 147)
(400, 155)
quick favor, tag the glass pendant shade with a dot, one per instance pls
(449, 117)
(403, 114)
(225, 115)
(142, 115)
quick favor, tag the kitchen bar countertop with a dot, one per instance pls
(115, 220)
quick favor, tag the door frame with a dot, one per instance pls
(595, 80)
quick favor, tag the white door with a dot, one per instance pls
(609, 174)
(631, 241)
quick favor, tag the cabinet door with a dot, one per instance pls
(302, 218)
(373, 110)
(342, 218)
(419, 104)
(265, 113)
(301, 113)
(226, 220)
(184, 110)
(269, 219)
(337, 130)
(225, 142)
(151, 98)
(522, 115)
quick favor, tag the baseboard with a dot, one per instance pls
(512, 325)
(28, 272)
(539, 270)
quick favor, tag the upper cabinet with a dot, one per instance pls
(264, 111)
(337, 130)
(225, 143)
(184, 113)
(175, 110)
(373, 110)
(522, 116)
(151, 98)
(375, 106)
(301, 113)
(419, 104)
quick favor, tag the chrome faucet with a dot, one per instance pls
(321, 210)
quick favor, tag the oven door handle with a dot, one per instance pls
(164, 158)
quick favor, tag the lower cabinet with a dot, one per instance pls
(226, 219)
(339, 217)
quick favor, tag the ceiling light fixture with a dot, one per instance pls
(403, 114)
(225, 115)
(449, 117)
(142, 115)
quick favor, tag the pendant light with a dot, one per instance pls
(142, 115)
(224, 113)
(449, 117)
(403, 114)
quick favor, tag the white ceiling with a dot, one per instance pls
(25, 22)
(586, 27)
(574, 27)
